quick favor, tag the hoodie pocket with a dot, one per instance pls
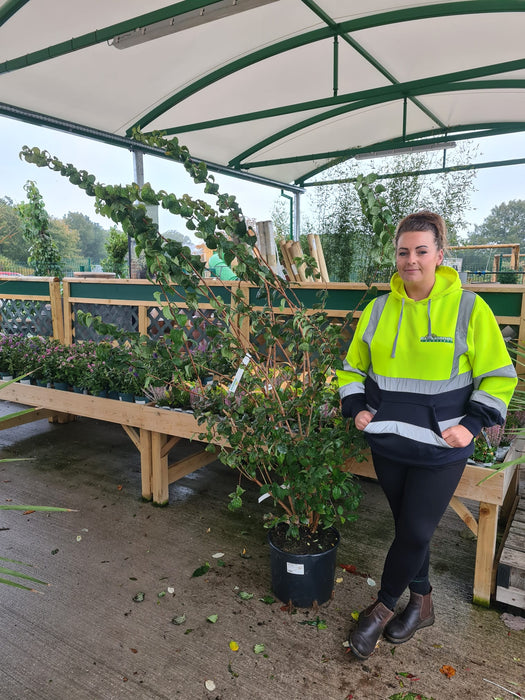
(413, 421)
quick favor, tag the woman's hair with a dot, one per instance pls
(424, 221)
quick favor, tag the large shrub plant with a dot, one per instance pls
(279, 423)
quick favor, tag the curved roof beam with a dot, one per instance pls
(99, 36)
(427, 171)
(395, 92)
(458, 133)
(380, 19)
(9, 9)
(399, 90)
(437, 137)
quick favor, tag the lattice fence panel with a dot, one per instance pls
(196, 325)
(124, 317)
(27, 316)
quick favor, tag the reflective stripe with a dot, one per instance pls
(444, 424)
(421, 386)
(485, 399)
(375, 315)
(406, 430)
(351, 389)
(348, 368)
(466, 305)
(507, 371)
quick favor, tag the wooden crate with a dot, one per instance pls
(510, 581)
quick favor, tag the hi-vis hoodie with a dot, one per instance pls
(423, 366)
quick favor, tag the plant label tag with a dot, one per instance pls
(238, 375)
(297, 569)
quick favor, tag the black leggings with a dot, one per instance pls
(418, 498)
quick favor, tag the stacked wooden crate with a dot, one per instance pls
(510, 582)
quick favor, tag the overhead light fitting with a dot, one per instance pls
(406, 149)
(194, 18)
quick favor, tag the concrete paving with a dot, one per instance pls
(84, 637)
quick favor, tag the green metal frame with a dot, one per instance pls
(334, 105)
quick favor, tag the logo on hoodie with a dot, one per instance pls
(431, 338)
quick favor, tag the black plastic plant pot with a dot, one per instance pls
(303, 579)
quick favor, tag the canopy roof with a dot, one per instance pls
(280, 89)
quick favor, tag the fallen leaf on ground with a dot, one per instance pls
(133, 651)
(234, 646)
(339, 580)
(320, 624)
(28, 512)
(351, 569)
(448, 671)
(355, 615)
(245, 596)
(210, 685)
(139, 597)
(268, 600)
(178, 620)
(212, 618)
(404, 674)
(201, 570)
(259, 648)
(218, 555)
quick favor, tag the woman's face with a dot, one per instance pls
(417, 257)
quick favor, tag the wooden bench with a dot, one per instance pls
(155, 431)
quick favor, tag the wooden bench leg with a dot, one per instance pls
(485, 551)
(145, 464)
(159, 469)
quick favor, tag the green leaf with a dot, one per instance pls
(245, 596)
(267, 600)
(201, 570)
(212, 618)
(258, 648)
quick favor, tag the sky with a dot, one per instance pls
(112, 165)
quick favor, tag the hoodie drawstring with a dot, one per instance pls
(393, 353)
(429, 324)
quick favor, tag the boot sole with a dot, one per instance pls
(361, 657)
(402, 640)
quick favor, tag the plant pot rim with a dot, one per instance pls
(320, 553)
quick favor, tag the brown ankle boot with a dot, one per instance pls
(371, 623)
(418, 613)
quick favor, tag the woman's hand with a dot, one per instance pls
(362, 419)
(457, 436)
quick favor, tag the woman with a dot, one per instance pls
(426, 370)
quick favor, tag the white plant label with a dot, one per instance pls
(239, 373)
(297, 569)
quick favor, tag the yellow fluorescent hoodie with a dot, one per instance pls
(422, 366)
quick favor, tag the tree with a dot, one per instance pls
(67, 240)
(43, 252)
(338, 209)
(504, 224)
(117, 250)
(12, 243)
(181, 237)
(91, 235)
